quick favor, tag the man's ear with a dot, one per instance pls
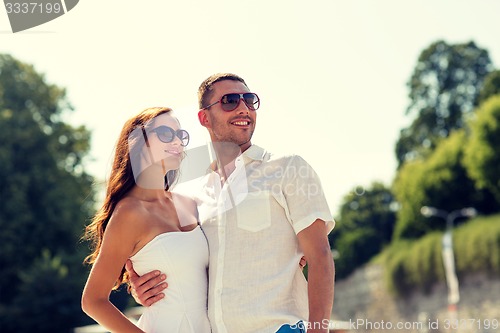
(203, 118)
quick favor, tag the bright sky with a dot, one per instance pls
(331, 74)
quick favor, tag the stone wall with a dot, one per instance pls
(364, 301)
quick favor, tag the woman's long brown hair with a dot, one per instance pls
(121, 181)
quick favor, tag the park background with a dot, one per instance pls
(332, 77)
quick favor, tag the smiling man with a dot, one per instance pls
(260, 213)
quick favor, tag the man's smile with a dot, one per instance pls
(241, 122)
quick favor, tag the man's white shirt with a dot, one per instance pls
(251, 222)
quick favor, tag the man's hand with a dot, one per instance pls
(146, 289)
(302, 262)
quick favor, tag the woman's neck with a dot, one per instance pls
(152, 180)
(150, 195)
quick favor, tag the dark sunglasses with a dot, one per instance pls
(167, 134)
(230, 102)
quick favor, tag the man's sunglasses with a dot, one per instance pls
(167, 134)
(230, 102)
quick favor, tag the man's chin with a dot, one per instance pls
(245, 143)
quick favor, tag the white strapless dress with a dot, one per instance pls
(183, 257)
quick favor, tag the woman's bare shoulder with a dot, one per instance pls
(129, 213)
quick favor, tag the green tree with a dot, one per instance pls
(443, 90)
(47, 196)
(440, 181)
(482, 152)
(365, 225)
(490, 87)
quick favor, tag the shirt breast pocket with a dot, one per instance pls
(253, 213)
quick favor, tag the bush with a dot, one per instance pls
(417, 265)
(414, 265)
(477, 246)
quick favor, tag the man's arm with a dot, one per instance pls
(313, 241)
(146, 289)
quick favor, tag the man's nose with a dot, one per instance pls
(242, 107)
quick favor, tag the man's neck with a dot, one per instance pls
(226, 154)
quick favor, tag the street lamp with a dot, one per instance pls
(447, 249)
(448, 217)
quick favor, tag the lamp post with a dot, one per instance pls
(447, 249)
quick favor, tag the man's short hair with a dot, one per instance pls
(205, 91)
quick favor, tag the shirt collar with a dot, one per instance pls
(255, 153)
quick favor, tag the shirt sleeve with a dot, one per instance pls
(304, 196)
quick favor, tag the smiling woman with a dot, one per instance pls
(143, 221)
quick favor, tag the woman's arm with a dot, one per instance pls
(121, 236)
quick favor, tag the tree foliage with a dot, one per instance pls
(443, 90)
(365, 225)
(46, 195)
(413, 265)
(449, 158)
(490, 87)
(440, 180)
(482, 152)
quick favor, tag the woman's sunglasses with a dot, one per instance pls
(167, 134)
(230, 102)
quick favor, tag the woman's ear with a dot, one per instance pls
(203, 118)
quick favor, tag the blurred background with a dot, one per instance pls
(395, 105)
